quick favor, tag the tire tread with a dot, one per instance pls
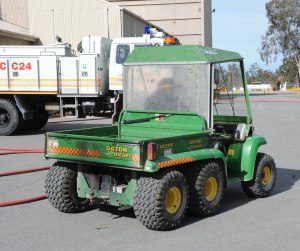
(60, 188)
(254, 187)
(148, 200)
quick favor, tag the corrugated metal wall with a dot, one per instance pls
(188, 20)
(132, 25)
(73, 19)
(15, 12)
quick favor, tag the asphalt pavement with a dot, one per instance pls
(271, 223)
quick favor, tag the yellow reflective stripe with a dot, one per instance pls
(29, 85)
(54, 79)
(35, 93)
(116, 78)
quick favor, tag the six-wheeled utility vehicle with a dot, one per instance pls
(174, 149)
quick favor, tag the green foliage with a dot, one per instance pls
(283, 34)
(283, 38)
(257, 74)
(234, 74)
(288, 71)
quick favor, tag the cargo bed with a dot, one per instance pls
(125, 145)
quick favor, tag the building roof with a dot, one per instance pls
(180, 54)
(14, 31)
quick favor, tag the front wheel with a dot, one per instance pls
(60, 188)
(264, 177)
(160, 200)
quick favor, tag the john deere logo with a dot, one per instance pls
(205, 51)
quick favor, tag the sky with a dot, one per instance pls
(238, 26)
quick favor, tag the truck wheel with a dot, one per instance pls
(160, 200)
(206, 181)
(61, 191)
(10, 118)
(264, 177)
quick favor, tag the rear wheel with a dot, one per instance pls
(206, 180)
(10, 118)
(61, 191)
(264, 177)
(160, 200)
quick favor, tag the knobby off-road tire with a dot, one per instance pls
(11, 119)
(264, 177)
(206, 186)
(160, 200)
(61, 191)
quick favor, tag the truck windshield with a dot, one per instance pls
(173, 87)
(228, 95)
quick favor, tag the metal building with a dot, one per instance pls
(40, 21)
(73, 19)
(14, 28)
(188, 20)
(69, 19)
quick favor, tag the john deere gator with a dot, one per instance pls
(184, 136)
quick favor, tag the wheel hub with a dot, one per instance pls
(266, 176)
(173, 200)
(4, 119)
(211, 189)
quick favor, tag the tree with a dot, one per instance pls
(288, 71)
(257, 74)
(234, 75)
(283, 34)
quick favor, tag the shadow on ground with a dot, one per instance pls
(234, 197)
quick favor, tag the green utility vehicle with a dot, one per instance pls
(174, 149)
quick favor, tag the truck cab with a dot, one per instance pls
(120, 50)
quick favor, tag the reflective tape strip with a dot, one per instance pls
(54, 79)
(28, 92)
(117, 78)
(115, 84)
(175, 162)
(75, 151)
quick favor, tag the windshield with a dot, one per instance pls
(175, 87)
(228, 94)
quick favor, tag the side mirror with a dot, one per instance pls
(240, 133)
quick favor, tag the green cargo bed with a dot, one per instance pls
(125, 145)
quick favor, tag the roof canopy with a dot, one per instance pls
(180, 54)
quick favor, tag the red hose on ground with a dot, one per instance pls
(24, 171)
(20, 151)
(17, 152)
(23, 201)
